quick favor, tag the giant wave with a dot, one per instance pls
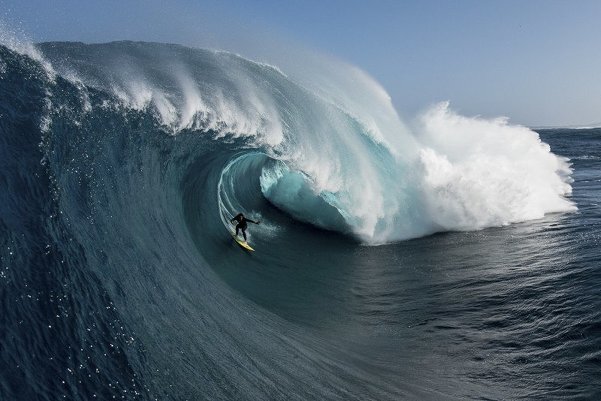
(332, 162)
(124, 162)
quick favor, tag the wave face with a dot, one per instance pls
(123, 163)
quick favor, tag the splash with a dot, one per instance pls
(16, 40)
(478, 173)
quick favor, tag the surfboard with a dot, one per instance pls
(242, 243)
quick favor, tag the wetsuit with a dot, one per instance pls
(242, 224)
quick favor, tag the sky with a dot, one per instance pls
(537, 62)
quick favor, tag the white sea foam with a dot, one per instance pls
(479, 173)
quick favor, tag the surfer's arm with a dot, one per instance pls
(252, 221)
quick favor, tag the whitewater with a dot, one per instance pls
(443, 257)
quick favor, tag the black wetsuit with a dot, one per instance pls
(242, 224)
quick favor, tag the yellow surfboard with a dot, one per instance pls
(243, 243)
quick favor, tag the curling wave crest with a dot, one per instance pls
(336, 153)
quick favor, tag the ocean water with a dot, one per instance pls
(448, 257)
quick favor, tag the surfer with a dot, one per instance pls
(242, 224)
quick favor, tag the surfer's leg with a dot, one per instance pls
(237, 228)
(244, 234)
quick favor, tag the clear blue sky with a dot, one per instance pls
(535, 61)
